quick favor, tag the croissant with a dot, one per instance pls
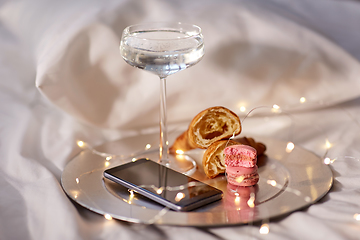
(207, 127)
(182, 143)
(213, 159)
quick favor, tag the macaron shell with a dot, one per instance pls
(241, 150)
(240, 163)
(240, 156)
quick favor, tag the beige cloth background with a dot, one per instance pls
(253, 58)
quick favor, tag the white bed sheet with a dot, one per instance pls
(48, 49)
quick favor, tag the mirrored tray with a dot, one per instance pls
(289, 181)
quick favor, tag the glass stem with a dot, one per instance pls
(164, 149)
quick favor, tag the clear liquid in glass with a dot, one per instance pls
(171, 53)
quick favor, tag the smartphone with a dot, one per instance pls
(163, 185)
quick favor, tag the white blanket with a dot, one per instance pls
(63, 80)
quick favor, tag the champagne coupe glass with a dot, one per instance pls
(163, 48)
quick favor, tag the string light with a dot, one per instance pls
(80, 143)
(251, 201)
(108, 216)
(275, 106)
(289, 147)
(108, 158)
(77, 180)
(179, 196)
(328, 145)
(302, 100)
(264, 229)
(237, 200)
(179, 152)
(240, 179)
(159, 190)
(242, 109)
(271, 182)
(327, 161)
(357, 216)
(148, 146)
(131, 193)
(131, 197)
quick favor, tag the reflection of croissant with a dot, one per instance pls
(207, 127)
(213, 160)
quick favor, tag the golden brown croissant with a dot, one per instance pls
(213, 159)
(207, 127)
(182, 143)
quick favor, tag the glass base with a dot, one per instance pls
(180, 162)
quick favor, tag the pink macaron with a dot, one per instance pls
(240, 156)
(242, 176)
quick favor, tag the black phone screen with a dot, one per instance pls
(163, 185)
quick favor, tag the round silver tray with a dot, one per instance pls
(289, 181)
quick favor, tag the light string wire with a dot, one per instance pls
(264, 228)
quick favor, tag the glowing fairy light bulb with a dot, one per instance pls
(237, 200)
(107, 164)
(108, 216)
(148, 146)
(131, 193)
(159, 190)
(240, 179)
(264, 229)
(131, 197)
(108, 158)
(251, 202)
(77, 180)
(302, 100)
(242, 109)
(81, 144)
(289, 147)
(179, 196)
(179, 152)
(275, 108)
(327, 161)
(357, 216)
(328, 145)
(133, 159)
(271, 182)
